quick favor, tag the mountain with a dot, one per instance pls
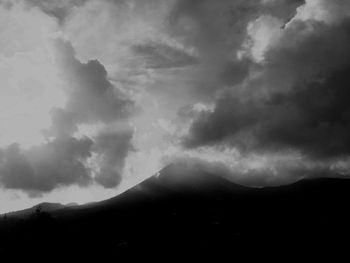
(190, 212)
(43, 207)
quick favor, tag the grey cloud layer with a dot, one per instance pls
(59, 9)
(112, 148)
(217, 30)
(91, 96)
(46, 167)
(158, 56)
(61, 161)
(292, 98)
(298, 101)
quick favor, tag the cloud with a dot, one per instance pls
(64, 155)
(295, 100)
(66, 161)
(46, 167)
(58, 9)
(158, 55)
(108, 30)
(322, 10)
(254, 169)
(91, 99)
(24, 34)
(63, 124)
(214, 30)
(217, 31)
(253, 90)
(112, 149)
(91, 96)
(262, 32)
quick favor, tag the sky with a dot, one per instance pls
(98, 95)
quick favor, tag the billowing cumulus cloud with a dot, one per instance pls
(46, 167)
(294, 97)
(66, 156)
(91, 96)
(217, 30)
(112, 148)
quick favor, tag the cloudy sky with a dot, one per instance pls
(96, 95)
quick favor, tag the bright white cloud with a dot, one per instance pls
(31, 85)
(330, 12)
(263, 33)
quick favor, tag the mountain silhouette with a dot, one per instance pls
(181, 211)
(44, 207)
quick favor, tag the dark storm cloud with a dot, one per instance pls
(112, 149)
(217, 30)
(299, 101)
(230, 116)
(62, 162)
(46, 167)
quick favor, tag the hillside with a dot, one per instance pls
(199, 213)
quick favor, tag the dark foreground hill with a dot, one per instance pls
(199, 214)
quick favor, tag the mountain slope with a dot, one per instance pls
(195, 213)
(43, 207)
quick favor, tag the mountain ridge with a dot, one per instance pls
(168, 181)
(211, 216)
